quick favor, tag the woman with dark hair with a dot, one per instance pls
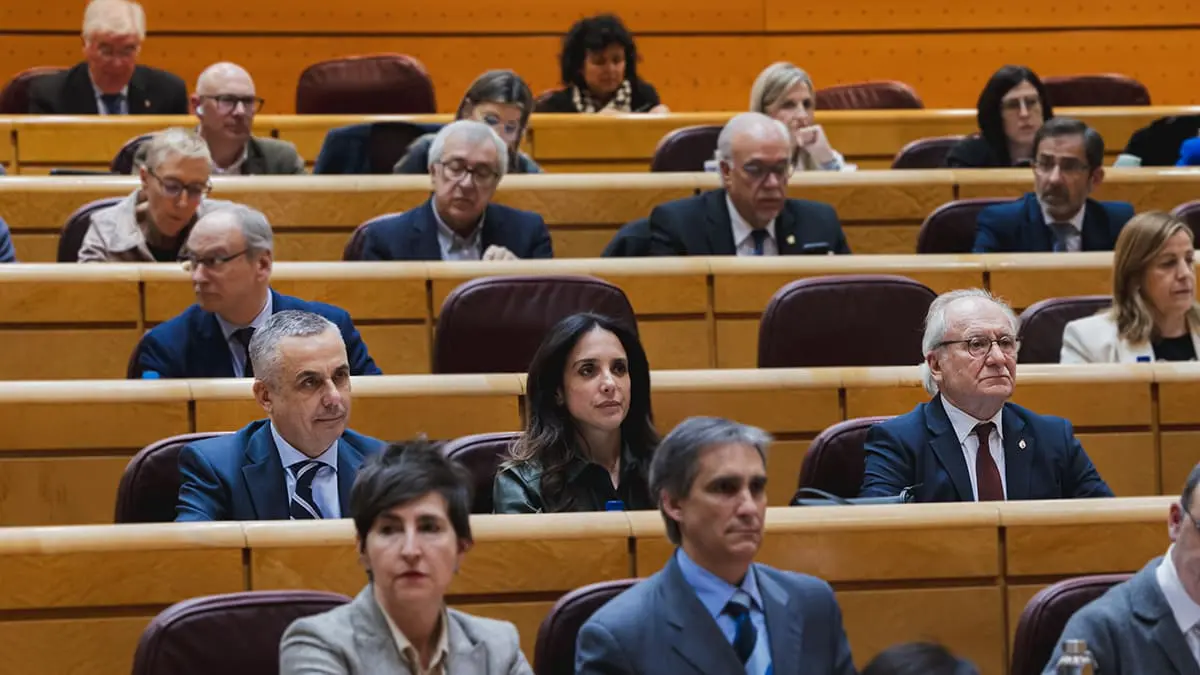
(590, 433)
(499, 99)
(1011, 108)
(599, 72)
(918, 658)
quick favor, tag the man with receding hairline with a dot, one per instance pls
(300, 462)
(109, 81)
(751, 214)
(226, 102)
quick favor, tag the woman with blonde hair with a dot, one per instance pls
(785, 92)
(1155, 316)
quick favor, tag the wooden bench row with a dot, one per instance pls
(958, 574)
(560, 143)
(65, 444)
(313, 217)
(83, 321)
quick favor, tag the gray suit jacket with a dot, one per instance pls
(1131, 630)
(355, 639)
(659, 626)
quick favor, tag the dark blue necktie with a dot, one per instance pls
(243, 335)
(303, 506)
(760, 238)
(745, 637)
(1062, 232)
(112, 103)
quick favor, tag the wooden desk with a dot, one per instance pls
(968, 567)
(67, 443)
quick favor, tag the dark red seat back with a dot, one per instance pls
(1189, 213)
(1074, 91)
(495, 324)
(686, 149)
(123, 162)
(14, 97)
(951, 227)
(881, 95)
(554, 652)
(70, 240)
(482, 455)
(1042, 623)
(377, 84)
(149, 488)
(231, 634)
(925, 153)
(835, 460)
(1042, 324)
(846, 320)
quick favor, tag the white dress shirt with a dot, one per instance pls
(741, 233)
(1183, 608)
(325, 484)
(964, 430)
(456, 247)
(236, 351)
(1075, 235)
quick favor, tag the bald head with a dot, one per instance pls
(755, 155)
(220, 76)
(225, 101)
(750, 129)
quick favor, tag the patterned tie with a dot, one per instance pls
(303, 506)
(760, 238)
(745, 636)
(1062, 234)
(243, 335)
(987, 476)
(112, 103)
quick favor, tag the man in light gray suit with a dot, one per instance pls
(1151, 623)
(712, 609)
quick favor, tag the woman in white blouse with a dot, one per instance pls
(1155, 316)
(785, 92)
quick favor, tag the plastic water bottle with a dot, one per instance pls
(1075, 659)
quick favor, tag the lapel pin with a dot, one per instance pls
(146, 103)
(791, 239)
(1021, 444)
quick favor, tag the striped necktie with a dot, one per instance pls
(303, 506)
(745, 636)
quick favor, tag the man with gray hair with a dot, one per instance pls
(466, 162)
(151, 224)
(751, 215)
(301, 461)
(969, 443)
(229, 256)
(109, 81)
(712, 609)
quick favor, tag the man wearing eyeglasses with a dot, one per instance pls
(751, 215)
(229, 256)
(151, 224)
(1150, 623)
(1059, 217)
(467, 160)
(969, 443)
(109, 81)
(226, 102)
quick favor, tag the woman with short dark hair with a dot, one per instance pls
(1012, 107)
(599, 72)
(499, 99)
(590, 435)
(410, 506)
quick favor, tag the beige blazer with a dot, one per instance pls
(114, 235)
(354, 639)
(1095, 340)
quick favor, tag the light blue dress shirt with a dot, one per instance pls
(714, 593)
(325, 484)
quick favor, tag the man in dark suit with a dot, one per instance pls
(751, 215)
(1058, 216)
(712, 609)
(229, 256)
(226, 103)
(1148, 624)
(969, 443)
(459, 222)
(109, 81)
(299, 463)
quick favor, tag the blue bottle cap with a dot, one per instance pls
(151, 375)
(1143, 359)
(614, 505)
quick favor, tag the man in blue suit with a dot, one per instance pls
(712, 609)
(969, 443)
(459, 222)
(229, 256)
(299, 463)
(1068, 158)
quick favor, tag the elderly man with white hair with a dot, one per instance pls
(934, 452)
(751, 215)
(466, 162)
(152, 224)
(109, 81)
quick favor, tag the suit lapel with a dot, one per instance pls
(349, 459)
(697, 639)
(78, 93)
(214, 357)
(1019, 449)
(1095, 228)
(783, 626)
(465, 656)
(719, 228)
(1038, 232)
(137, 99)
(372, 635)
(1151, 609)
(426, 240)
(264, 477)
(947, 449)
(787, 237)
(491, 228)
(256, 161)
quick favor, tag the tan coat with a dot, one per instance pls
(115, 235)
